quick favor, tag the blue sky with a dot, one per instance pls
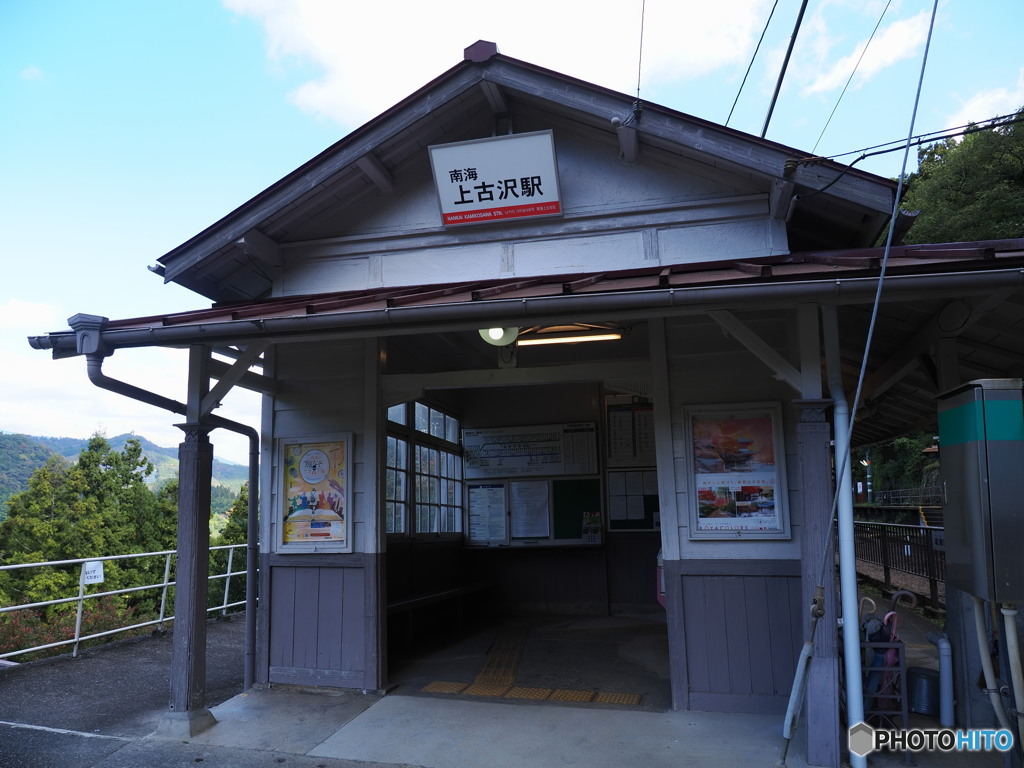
(127, 127)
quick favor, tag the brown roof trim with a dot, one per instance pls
(629, 293)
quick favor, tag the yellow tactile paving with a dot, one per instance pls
(444, 687)
(608, 697)
(498, 679)
(485, 689)
(524, 692)
(505, 680)
(503, 657)
(562, 694)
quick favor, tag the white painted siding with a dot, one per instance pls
(708, 368)
(323, 392)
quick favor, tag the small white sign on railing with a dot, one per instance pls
(92, 572)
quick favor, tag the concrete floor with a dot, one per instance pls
(606, 660)
(104, 709)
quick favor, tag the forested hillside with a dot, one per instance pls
(21, 455)
(98, 504)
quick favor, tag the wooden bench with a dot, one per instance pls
(457, 595)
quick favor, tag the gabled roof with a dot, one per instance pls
(826, 205)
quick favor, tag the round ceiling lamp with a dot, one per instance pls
(499, 337)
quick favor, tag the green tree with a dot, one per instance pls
(235, 531)
(221, 499)
(99, 505)
(898, 464)
(972, 189)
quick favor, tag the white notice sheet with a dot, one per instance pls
(530, 507)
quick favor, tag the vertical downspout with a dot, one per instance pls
(251, 544)
(94, 368)
(844, 517)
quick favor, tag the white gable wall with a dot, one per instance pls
(616, 216)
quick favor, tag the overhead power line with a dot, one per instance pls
(854, 72)
(928, 138)
(751, 64)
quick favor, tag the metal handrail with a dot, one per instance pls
(81, 597)
(913, 549)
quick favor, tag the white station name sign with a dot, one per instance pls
(497, 179)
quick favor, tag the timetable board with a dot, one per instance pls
(552, 449)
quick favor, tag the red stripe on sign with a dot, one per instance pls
(500, 214)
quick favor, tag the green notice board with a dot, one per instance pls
(576, 508)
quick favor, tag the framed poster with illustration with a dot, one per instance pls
(738, 472)
(315, 494)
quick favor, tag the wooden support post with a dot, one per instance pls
(814, 461)
(189, 715)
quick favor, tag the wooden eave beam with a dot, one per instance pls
(439, 293)
(375, 171)
(232, 376)
(758, 270)
(254, 382)
(584, 282)
(783, 369)
(257, 245)
(497, 290)
(495, 98)
(859, 262)
(906, 360)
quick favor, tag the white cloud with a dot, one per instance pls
(892, 44)
(17, 315)
(43, 396)
(32, 73)
(991, 103)
(372, 55)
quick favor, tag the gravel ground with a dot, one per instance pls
(901, 580)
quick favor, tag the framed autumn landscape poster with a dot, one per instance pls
(738, 477)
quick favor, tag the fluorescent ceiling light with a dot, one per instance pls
(566, 338)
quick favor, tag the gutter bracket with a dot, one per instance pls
(89, 334)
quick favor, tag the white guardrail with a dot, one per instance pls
(91, 573)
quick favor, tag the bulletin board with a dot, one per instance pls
(534, 511)
(633, 500)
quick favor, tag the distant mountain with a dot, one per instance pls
(21, 455)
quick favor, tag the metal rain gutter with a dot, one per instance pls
(94, 368)
(455, 316)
